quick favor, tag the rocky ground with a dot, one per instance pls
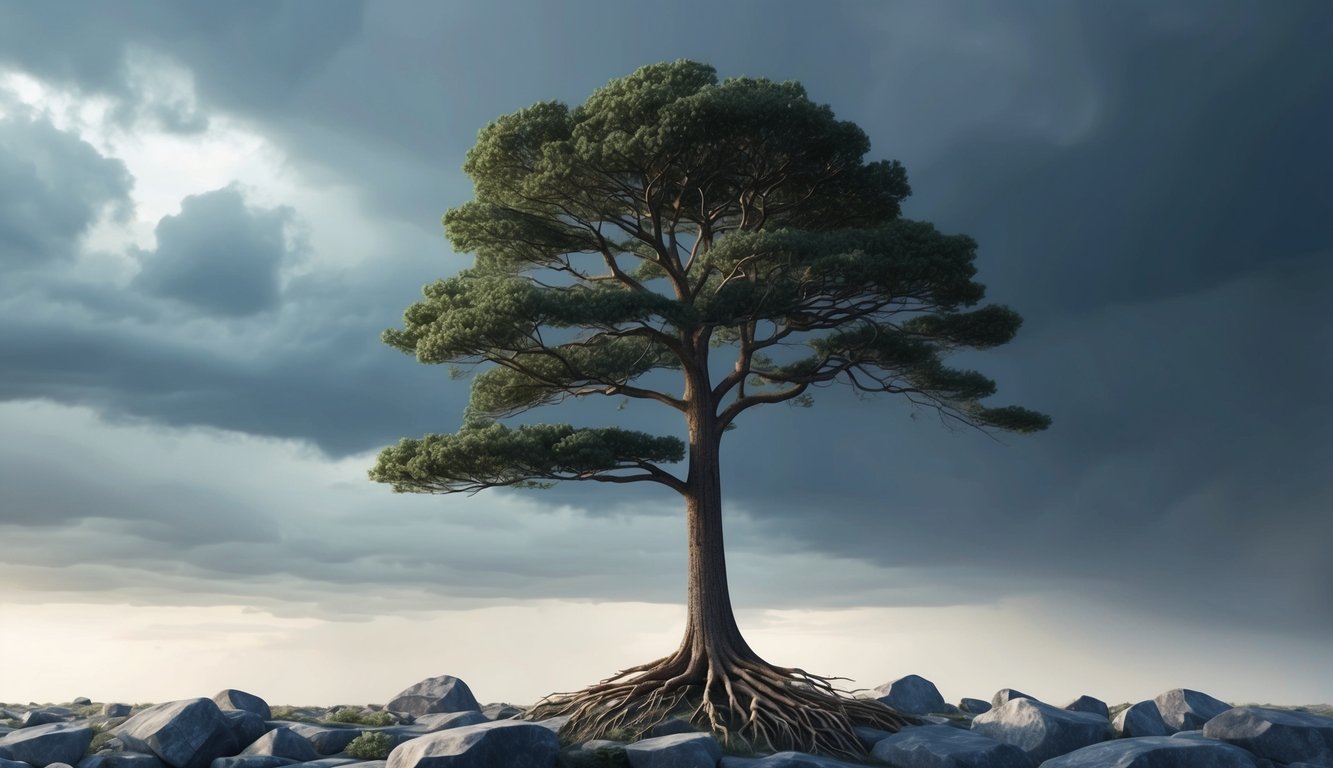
(438, 723)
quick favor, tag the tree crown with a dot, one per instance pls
(669, 214)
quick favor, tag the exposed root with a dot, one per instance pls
(748, 703)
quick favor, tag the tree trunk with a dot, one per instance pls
(710, 631)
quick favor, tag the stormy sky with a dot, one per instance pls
(209, 211)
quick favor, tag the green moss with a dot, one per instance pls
(370, 745)
(360, 717)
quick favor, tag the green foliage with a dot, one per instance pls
(371, 745)
(100, 739)
(670, 214)
(360, 717)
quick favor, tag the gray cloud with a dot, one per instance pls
(1147, 183)
(54, 186)
(218, 255)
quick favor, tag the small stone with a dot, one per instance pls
(974, 706)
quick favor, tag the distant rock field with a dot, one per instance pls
(438, 723)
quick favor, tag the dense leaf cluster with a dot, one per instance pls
(667, 215)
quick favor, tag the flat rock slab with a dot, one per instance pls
(944, 746)
(1276, 734)
(681, 750)
(1186, 710)
(509, 743)
(1041, 730)
(435, 694)
(191, 733)
(1156, 752)
(42, 745)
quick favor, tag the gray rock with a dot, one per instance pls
(1155, 752)
(1141, 719)
(596, 744)
(1184, 710)
(191, 733)
(7, 763)
(670, 727)
(81, 701)
(39, 717)
(1089, 704)
(443, 720)
(252, 761)
(369, 764)
(334, 762)
(553, 723)
(232, 699)
(42, 745)
(281, 742)
(912, 695)
(325, 740)
(245, 726)
(509, 743)
(681, 750)
(974, 706)
(943, 746)
(1041, 730)
(115, 710)
(1276, 734)
(501, 711)
(436, 694)
(122, 760)
(791, 760)
(868, 736)
(1006, 695)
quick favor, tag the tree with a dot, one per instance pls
(667, 218)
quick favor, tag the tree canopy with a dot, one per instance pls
(667, 216)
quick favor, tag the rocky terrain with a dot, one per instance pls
(438, 723)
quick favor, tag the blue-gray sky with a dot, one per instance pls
(209, 211)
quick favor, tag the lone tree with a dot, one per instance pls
(670, 219)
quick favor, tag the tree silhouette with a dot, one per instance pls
(669, 220)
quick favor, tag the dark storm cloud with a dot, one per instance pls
(54, 186)
(1149, 186)
(218, 255)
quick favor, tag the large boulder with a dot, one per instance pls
(1041, 730)
(191, 733)
(1006, 695)
(39, 717)
(1186, 710)
(232, 699)
(245, 726)
(1141, 719)
(943, 746)
(115, 710)
(912, 695)
(509, 743)
(1089, 704)
(42, 745)
(122, 760)
(282, 742)
(436, 694)
(252, 761)
(1155, 752)
(681, 750)
(1279, 735)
